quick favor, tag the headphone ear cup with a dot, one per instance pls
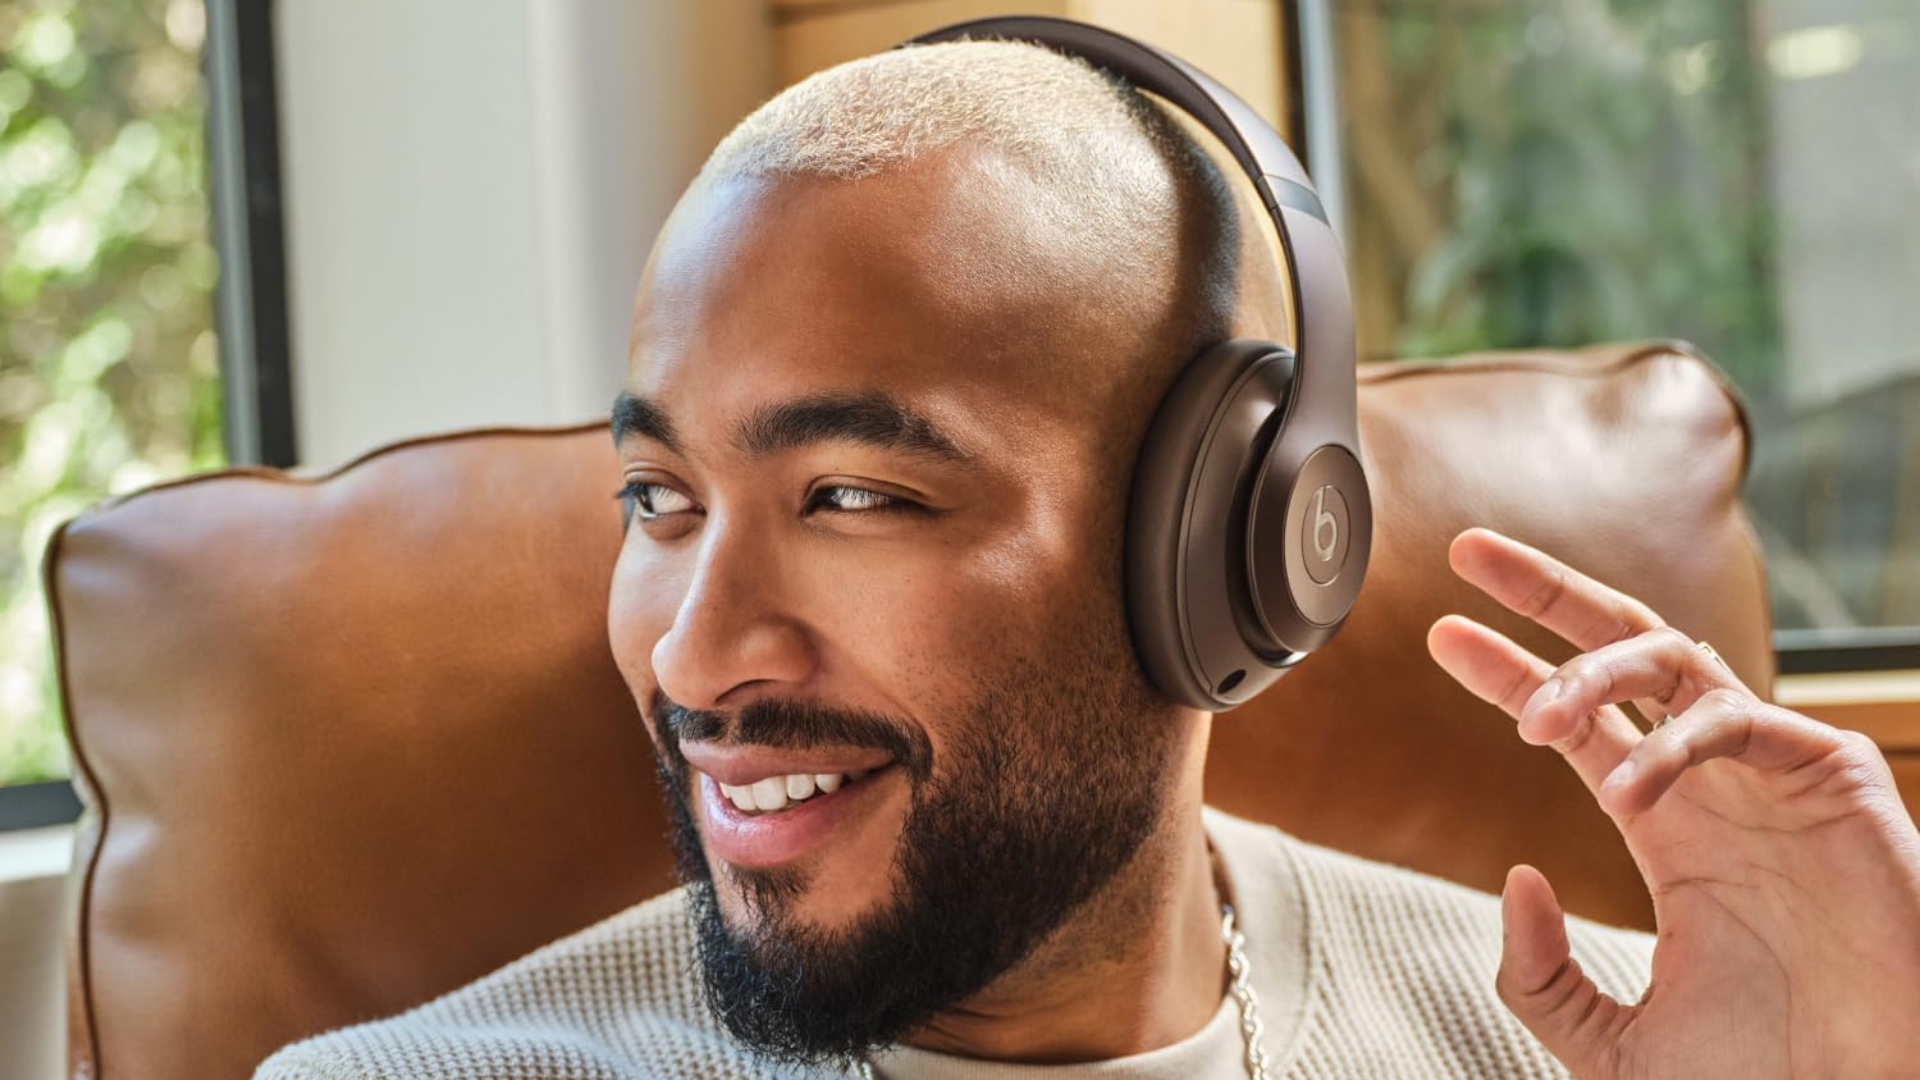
(1190, 604)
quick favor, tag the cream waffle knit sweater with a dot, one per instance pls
(1364, 971)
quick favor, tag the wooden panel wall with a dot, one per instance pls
(1239, 42)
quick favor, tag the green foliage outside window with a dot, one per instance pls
(1588, 170)
(1556, 173)
(108, 367)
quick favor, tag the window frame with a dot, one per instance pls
(1810, 652)
(251, 308)
(37, 805)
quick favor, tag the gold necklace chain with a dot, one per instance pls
(1239, 984)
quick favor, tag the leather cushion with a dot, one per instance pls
(349, 741)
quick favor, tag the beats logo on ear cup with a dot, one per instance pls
(1327, 534)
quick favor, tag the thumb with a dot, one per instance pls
(1542, 984)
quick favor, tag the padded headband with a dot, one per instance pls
(1325, 407)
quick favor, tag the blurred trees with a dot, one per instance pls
(108, 368)
(1558, 174)
(1554, 173)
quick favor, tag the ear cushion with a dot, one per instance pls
(1189, 600)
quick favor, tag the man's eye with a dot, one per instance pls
(648, 501)
(653, 500)
(841, 499)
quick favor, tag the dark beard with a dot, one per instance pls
(1055, 780)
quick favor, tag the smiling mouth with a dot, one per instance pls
(776, 794)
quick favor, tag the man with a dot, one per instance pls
(891, 359)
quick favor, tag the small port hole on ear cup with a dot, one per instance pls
(1227, 684)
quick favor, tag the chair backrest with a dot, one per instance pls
(347, 742)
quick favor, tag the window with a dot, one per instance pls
(108, 361)
(1740, 173)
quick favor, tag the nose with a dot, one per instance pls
(732, 637)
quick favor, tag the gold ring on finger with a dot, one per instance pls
(1661, 720)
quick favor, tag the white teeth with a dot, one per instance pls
(770, 794)
(779, 792)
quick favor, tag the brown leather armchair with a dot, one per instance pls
(347, 742)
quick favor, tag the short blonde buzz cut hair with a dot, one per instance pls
(1111, 161)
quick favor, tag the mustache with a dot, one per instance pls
(789, 725)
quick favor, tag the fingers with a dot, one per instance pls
(1723, 723)
(1541, 983)
(1662, 671)
(1530, 582)
(1496, 670)
(1487, 662)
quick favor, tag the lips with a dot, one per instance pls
(744, 766)
(778, 828)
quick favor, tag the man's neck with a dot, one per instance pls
(1139, 967)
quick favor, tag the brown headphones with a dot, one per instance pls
(1249, 519)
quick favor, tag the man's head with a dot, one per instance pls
(891, 360)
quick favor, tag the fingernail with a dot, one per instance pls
(1547, 692)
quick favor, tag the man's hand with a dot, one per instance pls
(1784, 871)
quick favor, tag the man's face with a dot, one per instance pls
(869, 600)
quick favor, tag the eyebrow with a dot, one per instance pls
(634, 415)
(871, 418)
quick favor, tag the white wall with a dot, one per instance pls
(33, 1005)
(471, 187)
